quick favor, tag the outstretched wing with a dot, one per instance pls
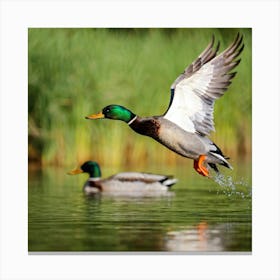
(194, 92)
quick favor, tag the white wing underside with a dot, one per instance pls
(196, 90)
(188, 109)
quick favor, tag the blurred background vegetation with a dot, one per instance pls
(76, 72)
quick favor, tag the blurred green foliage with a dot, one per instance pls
(76, 72)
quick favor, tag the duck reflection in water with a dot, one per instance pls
(199, 238)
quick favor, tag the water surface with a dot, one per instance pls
(200, 216)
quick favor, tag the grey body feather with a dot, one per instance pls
(131, 183)
(188, 144)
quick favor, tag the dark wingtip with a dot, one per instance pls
(218, 46)
(232, 75)
(241, 49)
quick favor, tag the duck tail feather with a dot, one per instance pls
(222, 159)
(214, 166)
(168, 182)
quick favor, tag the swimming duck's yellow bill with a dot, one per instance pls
(96, 116)
(75, 171)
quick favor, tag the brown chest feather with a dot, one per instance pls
(146, 126)
(95, 184)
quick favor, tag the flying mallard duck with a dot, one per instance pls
(123, 183)
(184, 127)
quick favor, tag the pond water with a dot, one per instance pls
(200, 215)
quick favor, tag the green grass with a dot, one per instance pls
(76, 72)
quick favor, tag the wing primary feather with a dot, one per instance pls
(231, 52)
(234, 44)
(231, 75)
(207, 55)
(203, 58)
(194, 92)
(208, 49)
(236, 53)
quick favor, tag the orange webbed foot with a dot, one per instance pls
(200, 167)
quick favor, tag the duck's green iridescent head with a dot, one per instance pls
(90, 167)
(114, 112)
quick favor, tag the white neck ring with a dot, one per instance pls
(131, 121)
(94, 179)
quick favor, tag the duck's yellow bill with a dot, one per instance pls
(96, 116)
(75, 171)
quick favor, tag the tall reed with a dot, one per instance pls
(75, 72)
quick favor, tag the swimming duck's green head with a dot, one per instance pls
(114, 112)
(90, 167)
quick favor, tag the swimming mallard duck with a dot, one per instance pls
(125, 183)
(184, 127)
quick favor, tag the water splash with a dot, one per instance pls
(231, 186)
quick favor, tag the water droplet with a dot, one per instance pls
(230, 185)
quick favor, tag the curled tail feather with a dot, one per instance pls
(223, 160)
